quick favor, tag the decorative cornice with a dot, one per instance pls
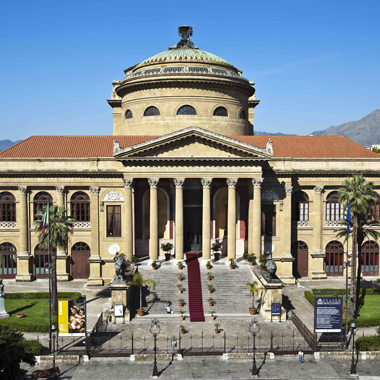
(113, 196)
(23, 189)
(318, 189)
(128, 182)
(256, 182)
(94, 190)
(153, 182)
(288, 190)
(206, 182)
(114, 103)
(231, 182)
(60, 189)
(179, 182)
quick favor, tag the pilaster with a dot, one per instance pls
(231, 220)
(153, 225)
(206, 218)
(256, 217)
(62, 274)
(128, 183)
(179, 217)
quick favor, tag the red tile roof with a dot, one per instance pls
(102, 146)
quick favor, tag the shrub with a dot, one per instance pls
(310, 297)
(245, 256)
(33, 347)
(368, 343)
(41, 295)
(20, 325)
(263, 260)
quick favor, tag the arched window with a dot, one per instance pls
(242, 115)
(41, 200)
(7, 207)
(334, 259)
(186, 110)
(152, 111)
(41, 261)
(370, 258)
(300, 206)
(220, 111)
(80, 206)
(334, 210)
(8, 260)
(128, 114)
(375, 209)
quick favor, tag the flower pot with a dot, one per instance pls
(181, 317)
(179, 291)
(211, 303)
(251, 264)
(133, 264)
(181, 304)
(264, 269)
(180, 279)
(252, 310)
(216, 255)
(140, 312)
(209, 290)
(168, 256)
(209, 278)
(154, 268)
(216, 331)
(208, 266)
(231, 267)
(182, 331)
(213, 317)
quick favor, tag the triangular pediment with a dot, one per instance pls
(192, 143)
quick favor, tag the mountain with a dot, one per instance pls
(258, 133)
(365, 131)
(5, 144)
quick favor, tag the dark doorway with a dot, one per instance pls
(41, 260)
(370, 259)
(334, 259)
(300, 253)
(8, 261)
(80, 265)
(192, 219)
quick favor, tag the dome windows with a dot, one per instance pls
(220, 111)
(152, 111)
(128, 114)
(186, 110)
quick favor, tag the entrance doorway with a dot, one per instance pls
(8, 261)
(300, 253)
(80, 253)
(334, 259)
(41, 260)
(192, 219)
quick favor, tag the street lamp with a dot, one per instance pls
(155, 330)
(52, 329)
(353, 361)
(254, 328)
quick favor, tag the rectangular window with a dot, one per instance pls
(268, 220)
(113, 221)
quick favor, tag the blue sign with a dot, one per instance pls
(328, 314)
(276, 308)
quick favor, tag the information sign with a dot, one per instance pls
(119, 309)
(328, 314)
(72, 317)
(275, 310)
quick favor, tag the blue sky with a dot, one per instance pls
(315, 63)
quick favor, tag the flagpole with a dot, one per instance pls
(50, 284)
(348, 218)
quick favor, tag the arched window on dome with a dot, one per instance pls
(242, 115)
(128, 114)
(152, 111)
(220, 111)
(186, 110)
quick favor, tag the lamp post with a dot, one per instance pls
(52, 329)
(155, 330)
(347, 264)
(254, 328)
(353, 362)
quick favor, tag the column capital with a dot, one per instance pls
(128, 182)
(60, 189)
(206, 182)
(231, 182)
(318, 189)
(94, 190)
(288, 190)
(179, 182)
(23, 189)
(153, 182)
(256, 182)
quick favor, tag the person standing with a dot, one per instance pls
(301, 356)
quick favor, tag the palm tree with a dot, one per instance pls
(360, 195)
(252, 291)
(139, 281)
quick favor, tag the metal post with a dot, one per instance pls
(353, 363)
(132, 345)
(53, 350)
(224, 349)
(155, 370)
(346, 314)
(254, 368)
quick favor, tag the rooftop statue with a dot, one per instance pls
(185, 32)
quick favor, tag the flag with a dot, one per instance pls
(348, 218)
(45, 220)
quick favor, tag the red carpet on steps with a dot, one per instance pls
(195, 288)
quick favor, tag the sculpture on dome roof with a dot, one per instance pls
(185, 32)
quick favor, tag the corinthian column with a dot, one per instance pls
(206, 222)
(23, 257)
(256, 217)
(62, 274)
(128, 183)
(153, 225)
(179, 217)
(231, 221)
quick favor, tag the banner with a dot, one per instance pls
(72, 317)
(328, 314)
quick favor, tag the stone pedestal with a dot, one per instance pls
(120, 293)
(270, 290)
(3, 313)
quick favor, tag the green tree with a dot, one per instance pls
(139, 281)
(376, 150)
(253, 290)
(12, 352)
(361, 196)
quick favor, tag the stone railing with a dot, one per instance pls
(333, 223)
(82, 225)
(8, 225)
(300, 223)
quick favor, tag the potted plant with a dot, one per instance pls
(211, 301)
(263, 261)
(180, 264)
(210, 288)
(134, 260)
(245, 256)
(180, 276)
(208, 265)
(252, 291)
(216, 248)
(181, 301)
(167, 247)
(182, 329)
(138, 281)
(251, 259)
(232, 263)
(212, 312)
(154, 264)
(180, 287)
(182, 317)
(217, 325)
(209, 275)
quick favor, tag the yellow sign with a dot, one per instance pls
(63, 314)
